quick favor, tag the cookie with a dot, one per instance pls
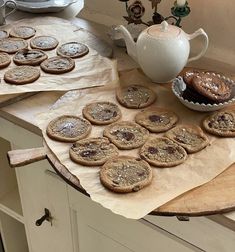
(68, 128)
(12, 45)
(188, 76)
(58, 65)
(24, 32)
(126, 135)
(191, 95)
(189, 136)
(73, 50)
(212, 87)
(92, 151)
(21, 75)
(135, 96)
(221, 123)
(157, 119)
(29, 57)
(101, 113)
(125, 174)
(163, 152)
(3, 34)
(44, 43)
(5, 60)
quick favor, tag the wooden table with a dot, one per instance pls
(199, 201)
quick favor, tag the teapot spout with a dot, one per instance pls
(130, 44)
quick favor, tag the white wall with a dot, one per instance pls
(216, 17)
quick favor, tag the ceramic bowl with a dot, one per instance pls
(43, 6)
(179, 86)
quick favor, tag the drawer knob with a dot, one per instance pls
(45, 217)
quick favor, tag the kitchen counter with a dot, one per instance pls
(22, 114)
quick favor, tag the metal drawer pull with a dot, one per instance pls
(45, 217)
(182, 218)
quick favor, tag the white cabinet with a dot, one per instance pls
(98, 229)
(11, 215)
(79, 224)
(37, 189)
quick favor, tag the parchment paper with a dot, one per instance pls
(90, 71)
(167, 182)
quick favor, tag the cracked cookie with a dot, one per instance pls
(20, 75)
(125, 174)
(29, 57)
(101, 113)
(44, 43)
(12, 45)
(5, 60)
(221, 123)
(24, 32)
(135, 96)
(92, 151)
(211, 87)
(58, 65)
(73, 50)
(189, 136)
(126, 135)
(163, 152)
(157, 119)
(188, 76)
(68, 128)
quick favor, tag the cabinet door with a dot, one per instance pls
(42, 189)
(98, 229)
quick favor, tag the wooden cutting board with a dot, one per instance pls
(214, 197)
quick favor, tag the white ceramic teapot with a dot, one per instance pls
(162, 50)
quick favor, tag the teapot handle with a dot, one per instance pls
(206, 42)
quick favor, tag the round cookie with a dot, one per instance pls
(58, 65)
(5, 60)
(92, 151)
(3, 34)
(163, 152)
(68, 128)
(20, 75)
(72, 50)
(24, 32)
(212, 87)
(135, 96)
(44, 43)
(221, 123)
(12, 45)
(101, 113)
(191, 95)
(157, 119)
(189, 136)
(29, 57)
(188, 76)
(125, 174)
(126, 135)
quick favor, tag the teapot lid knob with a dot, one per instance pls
(163, 31)
(164, 26)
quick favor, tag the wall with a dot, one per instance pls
(216, 17)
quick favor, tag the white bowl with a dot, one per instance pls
(45, 6)
(179, 86)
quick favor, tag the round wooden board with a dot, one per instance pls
(214, 197)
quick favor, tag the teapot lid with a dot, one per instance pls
(164, 31)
